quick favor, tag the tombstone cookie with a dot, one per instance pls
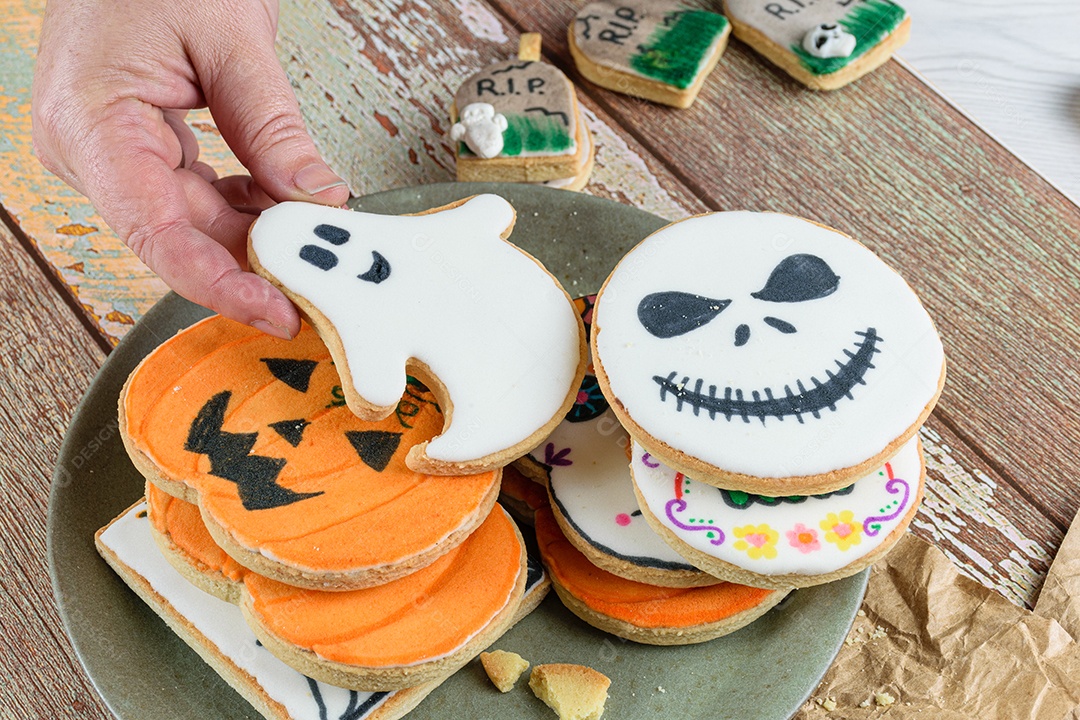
(443, 296)
(654, 49)
(293, 485)
(764, 353)
(782, 542)
(519, 121)
(825, 44)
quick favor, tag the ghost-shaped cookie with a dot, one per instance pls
(440, 295)
(764, 353)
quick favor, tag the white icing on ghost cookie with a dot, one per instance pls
(786, 541)
(444, 295)
(766, 353)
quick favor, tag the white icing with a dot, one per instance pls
(594, 492)
(493, 326)
(481, 128)
(829, 40)
(729, 256)
(785, 551)
(222, 624)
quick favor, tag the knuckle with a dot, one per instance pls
(142, 238)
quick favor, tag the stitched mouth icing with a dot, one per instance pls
(735, 402)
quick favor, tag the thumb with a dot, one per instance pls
(257, 114)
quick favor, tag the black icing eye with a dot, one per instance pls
(332, 234)
(798, 278)
(671, 313)
(319, 257)
(379, 270)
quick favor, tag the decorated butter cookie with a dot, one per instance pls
(640, 612)
(518, 121)
(216, 629)
(782, 542)
(765, 353)
(585, 466)
(290, 483)
(657, 50)
(825, 44)
(441, 296)
(407, 632)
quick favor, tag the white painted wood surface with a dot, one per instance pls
(1013, 68)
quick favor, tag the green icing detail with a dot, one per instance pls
(533, 133)
(673, 54)
(870, 23)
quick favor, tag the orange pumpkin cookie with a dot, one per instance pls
(444, 296)
(645, 613)
(289, 482)
(521, 494)
(407, 632)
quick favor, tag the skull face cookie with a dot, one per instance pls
(765, 353)
(443, 296)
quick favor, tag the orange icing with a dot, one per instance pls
(363, 518)
(517, 486)
(418, 618)
(639, 604)
(183, 524)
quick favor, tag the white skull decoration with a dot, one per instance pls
(481, 128)
(765, 345)
(829, 40)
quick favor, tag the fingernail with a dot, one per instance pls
(271, 329)
(316, 178)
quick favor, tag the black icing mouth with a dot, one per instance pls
(812, 401)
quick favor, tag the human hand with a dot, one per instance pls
(112, 86)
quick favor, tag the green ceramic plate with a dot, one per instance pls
(144, 672)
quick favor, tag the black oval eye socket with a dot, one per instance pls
(671, 313)
(798, 278)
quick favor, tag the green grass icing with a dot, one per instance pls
(531, 133)
(674, 54)
(870, 23)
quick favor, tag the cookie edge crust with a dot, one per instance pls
(628, 84)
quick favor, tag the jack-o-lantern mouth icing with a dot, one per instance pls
(820, 396)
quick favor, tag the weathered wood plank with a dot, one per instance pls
(985, 241)
(106, 278)
(46, 361)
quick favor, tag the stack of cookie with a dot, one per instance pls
(520, 121)
(347, 553)
(771, 375)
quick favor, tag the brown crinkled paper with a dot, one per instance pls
(932, 643)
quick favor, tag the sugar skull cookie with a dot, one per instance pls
(255, 431)
(826, 44)
(441, 296)
(764, 353)
(654, 49)
(782, 542)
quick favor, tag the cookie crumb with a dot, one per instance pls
(883, 699)
(503, 668)
(660, 688)
(879, 632)
(828, 704)
(861, 613)
(865, 703)
(574, 692)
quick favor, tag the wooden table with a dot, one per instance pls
(987, 243)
